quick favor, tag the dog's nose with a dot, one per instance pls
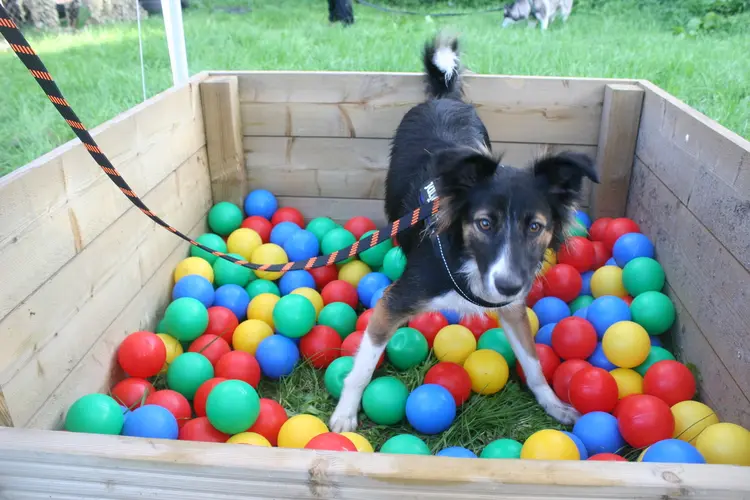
(508, 285)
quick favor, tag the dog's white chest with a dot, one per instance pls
(454, 302)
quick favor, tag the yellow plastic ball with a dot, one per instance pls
(261, 307)
(454, 343)
(269, 253)
(194, 265)
(494, 315)
(243, 241)
(533, 321)
(250, 438)
(549, 444)
(174, 349)
(690, 419)
(249, 334)
(299, 430)
(724, 443)
(626, 344)
(487, 370)
(550, 259)
(607, 280)
(353, 271)
(628, 382)
(313, 296)
(360, 442)
(640, 457)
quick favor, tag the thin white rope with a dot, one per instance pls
(140, 47)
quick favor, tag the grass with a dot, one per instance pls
(98, 69)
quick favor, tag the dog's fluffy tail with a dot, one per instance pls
(443, 68)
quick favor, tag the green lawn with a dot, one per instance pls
(98, 69)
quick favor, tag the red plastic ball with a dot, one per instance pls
(606, 457)
(574, 338)
(340, 291)
(563, 374)
(548, 359)
(628, 299)
(212, 347)
(142, 354)
(670, 381)
(132, 392)
(260, 225)
(176, 403)
(200, 429)
(617, 228)
(601, 254)
(429, 324)
(593, 389)
(364, 320)
(330, 441)
(644, 420)
(324, 275)
(288, 214)
(478, 323)
(359, 225)
(201, 395)
(536, 293)
(598, 227)
(270, 419)
(351, 343)
(578, 252)
(239, 365)
(221, 322)
(453, 377)
(562, 281)
(620, 403)
(321, 346)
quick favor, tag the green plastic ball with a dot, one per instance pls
(161, 327)
(255, 288)
(407, 348)
(394, 263)
(653, 311)
(186, 319)
(655, 355)
(224, 217)
(320, 226)
(580, 302)
(405, 444)
(502, 448)
(643, 274)
(577, 228)
(495, 339)
(339, 316)
(232, 406)
(336, 373)
(374, 256)
(384, 400)
(210, 240)
(95, 414)
(336, 239)
(226, 273)
(187, 372)
(294, 315)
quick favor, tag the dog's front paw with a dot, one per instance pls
(563, 413)
(343, 420)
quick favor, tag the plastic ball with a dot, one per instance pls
(288, 214)
(547, 358)
(375, 256)
(544, 335)
(243, 242)
(232, 406)
(551, 310)
(628, 382)
(260, 225)
(282, 232)
(201, 395)
(725, 443)
(299, 430)
(550, 259)
(330, 441)
(239, 365)
(335, 374)
(96, 414)
(549, 444)
(270, 419)
(132, 392)
(249, 334)
(313, 296)
(352, 272)
(690, 419)
(369, 284)
(536, 293)
(262, 307)
(487, 370)
(616, 228)
(495, 339)
(562, 281)
(453, 377)
(581, 313)
(631, 246)
(577, 252)
(574, 338)
(364, 319)
(599, 359)
(301, 245)
(563, 374)
(407, 348)
(142, 354)
(454, 343)
(533, 321)
(277, 356)
(598, 227)
(599, 433)
(249, 438)
(430, 409)
(384, 400)
(655, 355)
(186, 319)
(593, 389)
(340, 291)
(643, 274)
(260, 202)
(611, 262)
(321, 346)
(581, 302)
(478, 323)
(320, 226)
(224, 217)
(294, 316)
(670, 381)
(456, 452)
(607, 457)
(351, 343)
(257, 287)
(173, 349)
(269, 253)
(601, 254)
(339, 316)
(453, 317)
(360, 226)
(394, 263)
(582, 452)
(212, 241)
(337, 239)
(626, 344)
(200, 429)
(405, 444)
(673, 451)
(502, 448)
(606, 311)
(235, 299)
(654, 311)
(583, 218)
(187, 372)
(643, 420)
(151, 421)
(195, 286)
(655, 341)
(607, 280)
(362, 444)
(193, 265)
(212, 347)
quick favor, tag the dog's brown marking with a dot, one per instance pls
(383, 322)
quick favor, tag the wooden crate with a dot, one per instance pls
(82, 268)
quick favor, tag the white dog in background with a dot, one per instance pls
(542, 10)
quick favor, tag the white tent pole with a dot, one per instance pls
(172, 12)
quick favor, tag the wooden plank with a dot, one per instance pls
(616, 150)
(6, 420)
(338, 209)
(221, 115)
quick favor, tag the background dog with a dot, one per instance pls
(543, 10)
(340, 11)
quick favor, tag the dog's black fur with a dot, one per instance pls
(341, 11)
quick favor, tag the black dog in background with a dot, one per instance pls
(340, 10)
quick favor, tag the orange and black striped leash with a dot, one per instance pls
(28, 57)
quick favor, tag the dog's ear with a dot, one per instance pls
(561, 177)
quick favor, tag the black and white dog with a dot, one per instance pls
(484, 247)
(340, 11)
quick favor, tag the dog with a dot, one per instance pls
(341, 11)
(485, 245)
(543, 10)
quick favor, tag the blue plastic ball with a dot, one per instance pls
(291, 280)
(599, 359)
(277, 356)
(151, 421)
(282, 232)
(544, 335)
(125, 412)
(656, 341)
(611, 262)
(456, 452)
(630, 246)
(369, 284)
(261, 202)
(430, 409)
(584, 218)
(195, 286)
(586, 286)
(673, 451)
(605, 311)
(550, 310)
(301, 245)
(377, 296)
(233, 297)
(599, 433)
(453, 317)
(584, 454)
(582, 312)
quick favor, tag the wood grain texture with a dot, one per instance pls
(616, 150)
(6, 420)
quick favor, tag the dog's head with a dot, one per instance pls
(504, 217)
(520, 9)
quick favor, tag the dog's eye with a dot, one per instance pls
(484, 224)
(535, 227)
